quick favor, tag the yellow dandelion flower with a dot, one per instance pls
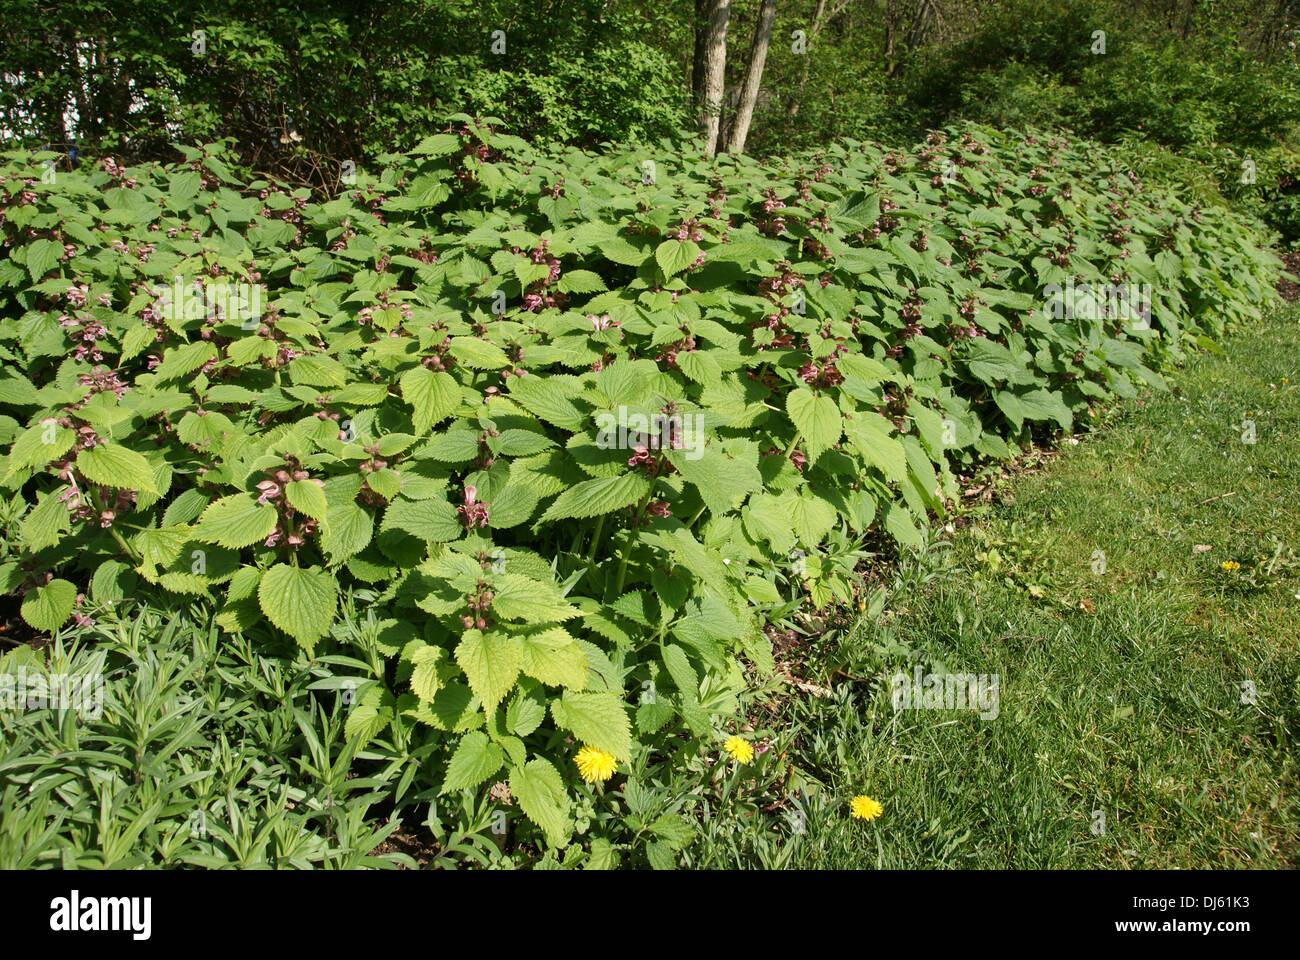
(864, 808)
(740, 749)
(1230, 565)
(595, 764)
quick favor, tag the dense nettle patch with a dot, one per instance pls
(414, 411)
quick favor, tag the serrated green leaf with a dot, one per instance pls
(491, 664)
(300, 601)
(594, 497)
(426, 681)
(478, 354)
(46, 523)
(540, 791)
(115, 466)
(373, 711)
(516, 597)
(236, 521)
(434, 521)
(598, 719)
(816, 418)
(674, 256)
(38, 445)
(553, 657)
(307, 497)
(475, 759)
(48, 607)
(348, 531)
(433, 395)
(42, 257)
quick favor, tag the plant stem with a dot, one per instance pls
(121, 541)
(595, 537)
(627, 547)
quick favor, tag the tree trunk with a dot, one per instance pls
(715, 63)
(698, 57)
(818, 13)
(891, 30)
(753, 78)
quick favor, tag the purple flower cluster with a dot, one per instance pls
(479, 603)
(289, 531)
(473, 513)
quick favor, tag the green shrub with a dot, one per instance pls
(1041, 64)
(335, 82)
(424, 412)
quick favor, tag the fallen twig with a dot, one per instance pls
(1221, 496)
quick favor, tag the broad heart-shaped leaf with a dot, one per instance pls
(48, 607)
(432, 395)
(1046, 405)
(817, 418)
(1011, 406)
(549, 398)
(539, 788)
(700, 367)
(183, 187)
(42, 257)
(195, 430)
(181, 360)
(512, 506)
(318, 370)
(433, 520)
(386, 483)
(923, 477)
(682, 673)
(307, 497)
(425, 679)
(674, 829)
(525, 713)
(721, 481)
(870, 435)
(437, 145)
(112, 582)
(38, 445)
(478, 354)
(241, 610)
(674, 256)
(594, 497)
(598, 719)
(553, 657)
(515, 597)
(19, 392)
(46, 524)
(581, 281)
(811, 516)
(236, 521)
(767, 518)
(491, 664)
(476, 759)
(899, 524)
(348, 530)
(990, 362)
(299, 601)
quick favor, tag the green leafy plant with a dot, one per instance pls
(562, 419)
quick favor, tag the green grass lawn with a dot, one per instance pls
(1123, 691)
